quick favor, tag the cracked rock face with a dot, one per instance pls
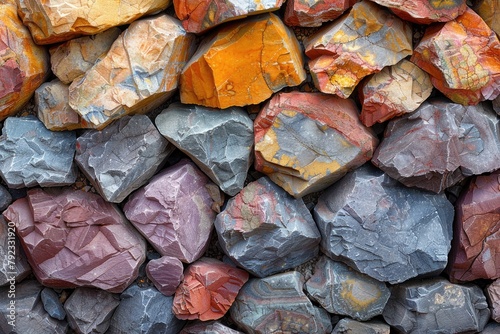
(166, 273)
(305, 13)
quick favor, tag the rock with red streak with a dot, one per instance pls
(493, 295)
(489, 10)
(208, 290)
(166, 273)
(73, 238)
(462, 58)
(314, 13)
(359, 43)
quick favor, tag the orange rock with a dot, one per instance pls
(489, 10)
(313, 13)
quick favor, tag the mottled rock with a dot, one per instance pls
(305, 142)
(14, 266)
(52, 304)
(349, 326)
(357, 44)
(5, 198)
(243, 63)
(73, 238)
(265, 230)
(313, 13)
(489, 11)
(440, 144)
(139, 72)
(278, 303)
(166, 273)
(208, 327)
(31, 155)
(220, 142)
(436, 306)
(493, 295)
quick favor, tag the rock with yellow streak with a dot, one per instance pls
(306, 141)
(243, 63)
(489, 10)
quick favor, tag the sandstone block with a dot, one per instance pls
(166, 273)
(314, 13)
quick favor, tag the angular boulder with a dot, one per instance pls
(166, 273)
(314, 13)
(52, 304)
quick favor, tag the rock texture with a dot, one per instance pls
(208, 327)
(349, 326)
(14, 266)
(489, 10)
(52, 304)
(5, 198)
(314, 13)
(166, 273)
(493, 295)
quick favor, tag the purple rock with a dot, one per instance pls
(166, 273)
(13, 260)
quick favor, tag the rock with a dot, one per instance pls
(5, 199)
(491, 328)
(14, 266)
(31, 155)
(122, 157)
(278, 303)
(462, 58)
(496, 105)
(489, 10)
(243, 63)
(89, 310)
(144, 311)
(73, 238)
(436, 306)
(342, 290)
(174, 211)
(52, 305)
(394, 91)
(220, 142)
(265, 231)
(439, 145)
(305, 142)
(357, 44)
(166, 273)
(349, 326)
(208, 290)
(314, 13)
(23, 65)
(208, 327)
(493, 295)
(57, 21)
(139, 72)
(383, 229)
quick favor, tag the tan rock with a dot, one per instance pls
(489, 10)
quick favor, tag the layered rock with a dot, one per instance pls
(348, 326)
(314, 13)
(166, 273)
(14, 266)
(489, 10)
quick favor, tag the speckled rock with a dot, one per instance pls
(349, 326)
(14, 266)
(166, 273)
(52, 304)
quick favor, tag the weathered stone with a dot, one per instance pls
(349, 326)
(278, 303)
(489, 11)
(436, 306)
(166, 273)
(491, 328)
(243, 63)
(357, 44)
(23, 65)
(493, 295)
(122, 157)
(208, 290)
(462, 58)
(305, 142)
(208, 327)
(383, 229)
(139, 72)
(220, 142)
(13, 260)
(174, 211)
(52, 304)
(313, 13)
(394, 91)
(31, 155)
(5, 199)
(144, 311)
(73, 238)
(440, 144)
(89, 310)
(265, 230)
(496, 105)
(57, 21)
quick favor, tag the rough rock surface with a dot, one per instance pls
(493, 295)
(349, 326)
(489, 11)
(166, 273)
(440, 144)
(265, 230)
(220, 142)
(491, 328)
(496, 105)
(313, 13)
(52, 304)
(208, 327)
(5, 198)
(12, 264)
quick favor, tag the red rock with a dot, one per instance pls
(166, 273)
(313, 13)
(489, 10)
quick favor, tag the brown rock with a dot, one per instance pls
(493, 296)
(489, 10)
(313, 13)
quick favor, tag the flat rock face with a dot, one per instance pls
(313, 13)
(52, 304)
(489, 10)
(31, 155)
(439, 145)
(493, 295)
(139, 72)
(122, 157)
(468, 74)
(357, 44)
(166, 273)
(220, 142)
(349, 326)
(14, 266)
(243, 63)
(438, 306)
(73, 238)
(305, 142)
(174, 211)
(265, 230)
(208, 327)
(383, 229)
(265, 304)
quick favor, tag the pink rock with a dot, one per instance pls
(313, 13)
(165, 273)
(493, 295)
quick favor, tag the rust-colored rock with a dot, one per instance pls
(313, 13)
(489, 10)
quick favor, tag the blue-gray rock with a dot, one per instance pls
(349, 326)
(14, 266)
(384, 229)
(265, 230)
(219, 141)
(436, 306)
(31, 155)
(52, 304)
(208, 327)
(496, 105)
(5, 198)
(491, 328)
(122, 157)
(278, 304)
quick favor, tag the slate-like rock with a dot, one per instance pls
(208, 327)
(166, 273)
(73, 238)
(492, 292)
(31, 155)
(349, 326)
(491, 328)
(220, 142)
(265, 230)
(278, 303)
(122, 157)
(440, 144)
(489, 11)
(314, 13)
(52, 304)
(5, 198)
(14, 266)
(384, 229)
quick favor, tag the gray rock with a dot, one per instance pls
(208, 327)
(496, 105)
(14, 266)
(491, 328)
(122, 157)
(384, 229)
(52, 304)
(5, 198)
(436, 306)
(349, 326)
(31, 155)
(219, 141)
